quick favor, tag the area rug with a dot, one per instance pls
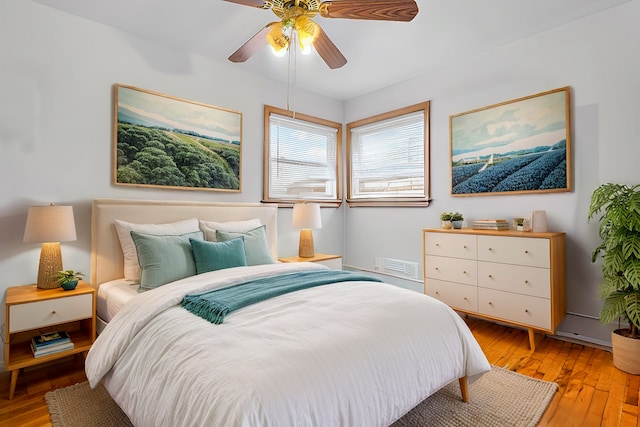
(497, 399)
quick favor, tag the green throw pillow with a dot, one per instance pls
(211, 256)
(164, 259)
(255, 244)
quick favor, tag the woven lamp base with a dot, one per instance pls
(50, 264)
(305, 246)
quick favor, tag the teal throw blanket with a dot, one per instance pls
(214, 305)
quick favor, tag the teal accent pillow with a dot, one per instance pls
(164, 259)
(255, 244)
(211, 256)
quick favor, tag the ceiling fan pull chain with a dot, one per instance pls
(291, 82)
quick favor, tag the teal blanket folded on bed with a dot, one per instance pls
(215, 304)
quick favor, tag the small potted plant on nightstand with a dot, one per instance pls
(68, 279)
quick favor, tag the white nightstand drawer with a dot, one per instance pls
(42, 313)
(333, 263)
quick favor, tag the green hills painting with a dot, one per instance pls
(170, 142)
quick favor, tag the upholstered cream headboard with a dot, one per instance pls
(106, 254)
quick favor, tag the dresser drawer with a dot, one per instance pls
(455, 295)
(514, 250)
(451, 245)
(43, 313)
(451, 269)
(523, 309)
(519, 279)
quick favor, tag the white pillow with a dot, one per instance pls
(124, 229)
(210, 227)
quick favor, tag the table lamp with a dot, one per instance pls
(306, 216)
(49, 225)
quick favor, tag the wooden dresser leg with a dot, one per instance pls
(464, 389)
(532, 339)
(14, 381)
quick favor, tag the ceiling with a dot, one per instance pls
(379, 53)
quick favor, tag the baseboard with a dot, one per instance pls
(581, 339)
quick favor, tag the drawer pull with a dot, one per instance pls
(437, 292)
(437, 269)
(490, 276)
(526, 252)
(491, 249)
(526, 310)
(437, 245)
(464, 272)
(465, 246)
(490, 303)
(465, 298)
(53, 312)
(526, 282)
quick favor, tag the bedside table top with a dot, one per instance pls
(30, 293)
(315, 258)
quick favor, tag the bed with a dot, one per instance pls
(350, 353)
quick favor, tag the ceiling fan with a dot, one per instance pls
(296, 24)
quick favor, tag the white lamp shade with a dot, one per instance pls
(306, 216)
(50, 224)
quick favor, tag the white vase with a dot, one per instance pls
(539, 219)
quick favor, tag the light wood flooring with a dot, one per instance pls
(592, 392)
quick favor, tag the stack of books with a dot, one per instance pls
(50, 343)
(490, 224)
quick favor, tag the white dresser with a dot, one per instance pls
(513, 277)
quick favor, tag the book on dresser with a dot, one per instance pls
(50, 343)
(490, 224)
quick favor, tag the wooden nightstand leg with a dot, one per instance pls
(14, 381)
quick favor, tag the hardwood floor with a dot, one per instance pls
(591, 391)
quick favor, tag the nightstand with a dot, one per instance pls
(334, 262)
(31, 311)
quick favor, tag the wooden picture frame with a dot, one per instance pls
(167, 142)
(514, 147)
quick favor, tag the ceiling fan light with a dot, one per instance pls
(307, 33)
(277, 40)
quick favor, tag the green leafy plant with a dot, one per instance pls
(518, 221)
(451, 216)
(67, 276)
(620, 250)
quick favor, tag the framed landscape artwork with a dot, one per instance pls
(518, 146)
(162, 141)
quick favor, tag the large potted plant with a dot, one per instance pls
(620, 251)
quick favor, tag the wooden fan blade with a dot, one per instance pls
(328, 51)
(253, 3)
(379, 10)
(251, 46)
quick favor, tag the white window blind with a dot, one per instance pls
(387, 159)
(302, 160)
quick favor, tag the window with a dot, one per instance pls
(302, 157)
(388, 158)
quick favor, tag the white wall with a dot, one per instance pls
(599, 58)
(57, 73)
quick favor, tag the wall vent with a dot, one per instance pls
(396, 267)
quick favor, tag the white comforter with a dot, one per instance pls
(348, 354)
